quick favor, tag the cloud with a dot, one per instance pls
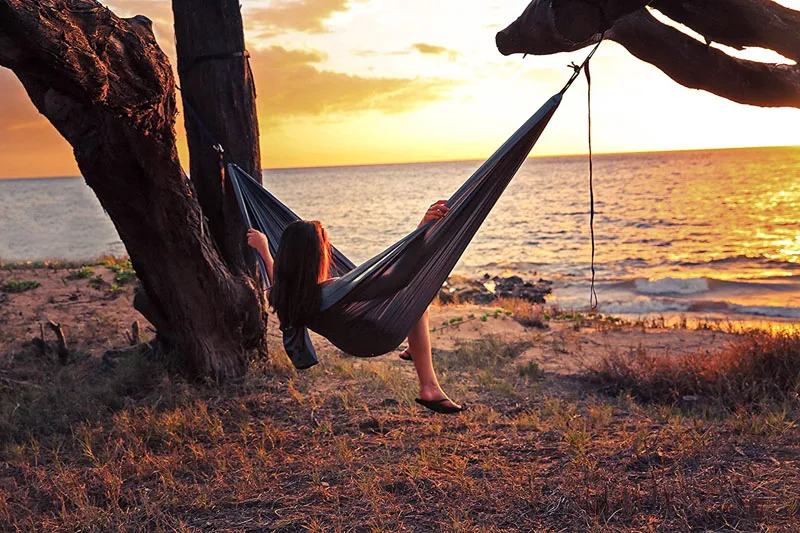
(307, 16)
(290, 84)
(431, 49)
(376, 53)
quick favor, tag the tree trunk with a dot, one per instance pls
(551, 26)
(107, 87)
(216, 83)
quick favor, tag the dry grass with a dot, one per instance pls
(528, 314)
(341, 448)
(757, 367)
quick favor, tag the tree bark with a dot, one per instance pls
(551, 26)
(217, 83)
(107, 87)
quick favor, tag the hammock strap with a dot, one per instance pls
(210, 57)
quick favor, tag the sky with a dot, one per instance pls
(343, 82)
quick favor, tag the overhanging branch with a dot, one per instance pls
(552, 26)
(739, 23)
(698, 66)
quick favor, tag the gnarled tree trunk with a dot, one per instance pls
(107, 87)
(550, 26)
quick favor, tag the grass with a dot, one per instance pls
(86, 447)
(15, 286)
(756, 367)
(84, 272)
(488, 352)
(526, 313)
(55, 264)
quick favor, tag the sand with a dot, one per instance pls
(97, 316)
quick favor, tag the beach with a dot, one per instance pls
(96, 313)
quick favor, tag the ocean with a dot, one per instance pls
(702, 234)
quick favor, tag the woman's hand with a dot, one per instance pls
(257, 240)
(435, 212)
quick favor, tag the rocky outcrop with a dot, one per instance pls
(488, 289)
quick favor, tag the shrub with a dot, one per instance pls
(123, 272)
(526, 313)
(757, 367)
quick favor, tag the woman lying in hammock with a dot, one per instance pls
(300, 270)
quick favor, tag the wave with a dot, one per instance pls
(642, 306)
(743, 259)
(676, 286)
(679, 287)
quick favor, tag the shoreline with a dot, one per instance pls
(539, 291)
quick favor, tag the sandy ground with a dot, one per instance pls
(96, 317)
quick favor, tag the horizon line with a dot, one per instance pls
(433, 161)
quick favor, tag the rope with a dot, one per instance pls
(576, 72)
(577, 68)
(592, 292)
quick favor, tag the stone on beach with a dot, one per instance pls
(458, 289)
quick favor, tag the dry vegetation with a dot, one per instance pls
(757, 367)
(343, 447)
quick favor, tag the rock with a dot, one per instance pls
(458, 289)
(445, 297)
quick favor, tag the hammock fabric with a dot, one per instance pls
(370, 309)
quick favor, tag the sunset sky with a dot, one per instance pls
(381, 81)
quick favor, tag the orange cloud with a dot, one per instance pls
(289, 84)
(302, 15)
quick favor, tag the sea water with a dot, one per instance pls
(701, 233)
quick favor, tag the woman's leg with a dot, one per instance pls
(419, 346)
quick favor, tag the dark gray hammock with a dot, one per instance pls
(370, 309)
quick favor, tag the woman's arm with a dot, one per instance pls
(258, 240)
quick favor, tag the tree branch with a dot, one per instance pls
(739, 23)
(698, 66)
(552, 26)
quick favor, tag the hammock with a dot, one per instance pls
(370, 309)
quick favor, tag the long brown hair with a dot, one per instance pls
(301, 265)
